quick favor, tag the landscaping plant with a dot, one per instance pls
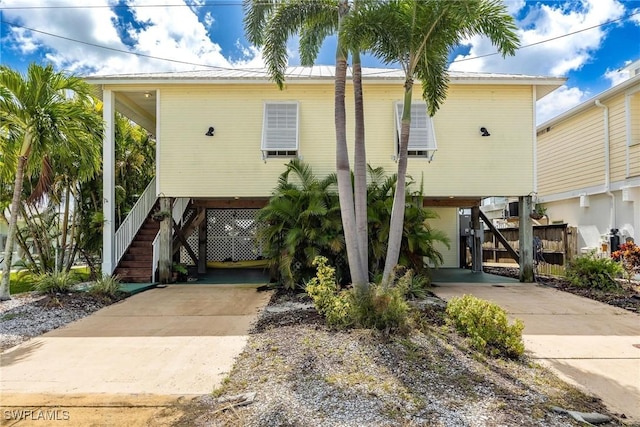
(107, 285)
(378, 307)
(486, 325)
(589, 271)
(629, 257)
(54, 283)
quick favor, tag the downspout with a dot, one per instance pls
(607, 164)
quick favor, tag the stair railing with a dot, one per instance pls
(134, 220)
(179, 206)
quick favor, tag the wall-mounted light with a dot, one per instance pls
(484, 132)
(211, 131)
(147, 94)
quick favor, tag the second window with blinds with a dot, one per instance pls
(280, 129)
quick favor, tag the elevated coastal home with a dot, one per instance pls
(224, 136)
(589, 166)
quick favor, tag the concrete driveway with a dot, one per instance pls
(590, 344)
(146, 351)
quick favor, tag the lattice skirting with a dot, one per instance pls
(231, 236)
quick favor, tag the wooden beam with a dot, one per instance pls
(476, 243)
(164, 244)
(500, 237)
(202, 244)
(526, 240)
(254, 203)
(456, 202)
(185, 244)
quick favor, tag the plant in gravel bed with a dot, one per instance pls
(53, 283)
(107, 285)
(381, 307)
(486, 325)
(592, 272)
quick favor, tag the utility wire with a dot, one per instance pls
(262, 72)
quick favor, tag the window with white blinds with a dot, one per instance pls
(422, 137)
(280, 129)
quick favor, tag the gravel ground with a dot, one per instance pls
(28, 315)
(303, 374)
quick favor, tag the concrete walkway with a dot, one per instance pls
(149, 349)
(590, 344)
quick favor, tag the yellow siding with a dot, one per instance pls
(570, 154)
(230, 163)
(448, 223)
(634, 149)
(618, 137)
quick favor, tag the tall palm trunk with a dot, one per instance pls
(63, 238)
(396, 223)
(5, 293)
(343, 171)
(360, 166)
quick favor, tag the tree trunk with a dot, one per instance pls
(360, 166)
(343, 171)
(5, 293)
(63, 238)
(396, 224)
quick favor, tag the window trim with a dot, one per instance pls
(279, 152)
(424, 151)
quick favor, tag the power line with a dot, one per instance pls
(124, 6)
(257, 71)
(557, 37)
(113, 49)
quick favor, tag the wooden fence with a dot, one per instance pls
(559, 245)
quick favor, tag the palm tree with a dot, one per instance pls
(39, 113)
(301, 221)
(270, 25)
(419, 35)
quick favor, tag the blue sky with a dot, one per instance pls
(73, 35)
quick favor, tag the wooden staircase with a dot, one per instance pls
(136, 264)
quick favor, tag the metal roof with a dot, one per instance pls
(318, 72)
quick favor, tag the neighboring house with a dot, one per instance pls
(588, 166)
(223, 137)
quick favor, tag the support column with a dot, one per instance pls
(108, 183)
(164, 242)
(526, 240)
(476, 245)
(202, 245)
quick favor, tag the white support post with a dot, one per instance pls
(108, 182)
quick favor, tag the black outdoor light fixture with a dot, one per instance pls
(210, 131)
(484, 132)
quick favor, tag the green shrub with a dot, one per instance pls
(329, 301)
(106, 285)
(414, 286)
(591, 272)
(486, 325)
(52, 283)
(379, 307)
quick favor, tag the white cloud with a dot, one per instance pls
(559, 101)
(616, 76)
(544, 22)
(174, 33)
